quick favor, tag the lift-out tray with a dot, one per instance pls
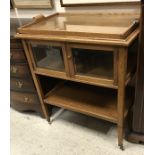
(82, 25)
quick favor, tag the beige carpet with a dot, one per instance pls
(69, 134)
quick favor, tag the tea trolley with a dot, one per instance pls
(91, 57)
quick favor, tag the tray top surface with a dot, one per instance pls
(91, 28)
(98, 25)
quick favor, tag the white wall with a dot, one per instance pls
(29, 13)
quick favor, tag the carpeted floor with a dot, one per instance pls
(69, 134)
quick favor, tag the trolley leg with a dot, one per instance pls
(122, 65)
(120, 138)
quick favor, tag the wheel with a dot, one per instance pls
(50, 122)
(122, 147)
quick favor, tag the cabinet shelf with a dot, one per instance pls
(86, 99)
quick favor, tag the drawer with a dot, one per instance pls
(17, 55)
(27, 98)
(14, 40)
(25, 85)
(16, 45)
(20, 71)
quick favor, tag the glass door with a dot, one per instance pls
(49, 57)
(94, 64)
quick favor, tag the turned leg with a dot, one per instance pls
(122, 65)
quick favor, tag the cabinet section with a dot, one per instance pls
(85, 63)
(96, 65)
(91, 64)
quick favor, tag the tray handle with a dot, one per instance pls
(38, 18)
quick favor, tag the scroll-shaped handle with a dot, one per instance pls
(14, 69)
(19, 84)
(135, 22)
(26, 99)
(38, 18)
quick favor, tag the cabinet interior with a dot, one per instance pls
(93, 63)
(48, 56)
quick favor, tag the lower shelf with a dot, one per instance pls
(94, 101)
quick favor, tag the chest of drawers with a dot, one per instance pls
(23, 92)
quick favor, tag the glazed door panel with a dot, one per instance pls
(92, 63)
(50, 57)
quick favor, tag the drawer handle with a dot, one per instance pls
(19, 84)
(69, 57)
(26, 99)
(14, 69)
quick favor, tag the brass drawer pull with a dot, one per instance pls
(26, 99)
(14, 69)
(19, 84)
(69, 57)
